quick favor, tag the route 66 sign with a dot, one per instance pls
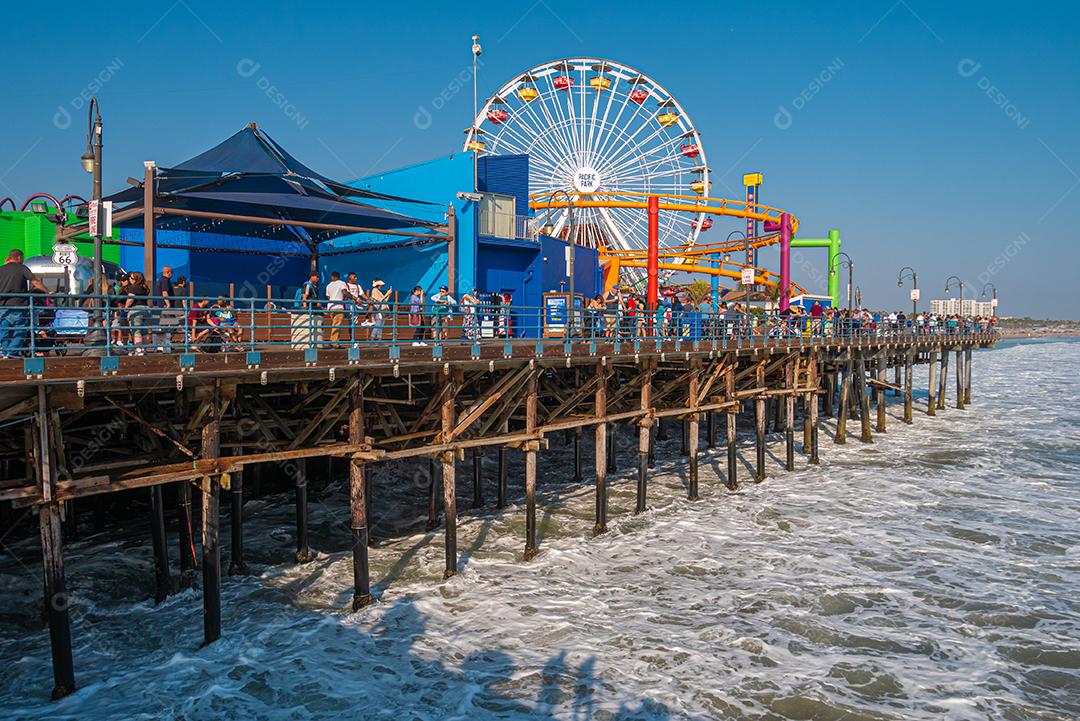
(65, 254)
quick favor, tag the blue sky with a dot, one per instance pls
(944, 137)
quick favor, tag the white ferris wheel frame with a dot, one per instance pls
(561, 142)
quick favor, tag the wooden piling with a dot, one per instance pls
(162, 582)
(500, 501)
(211, 548)
(578, 475)
(814, 419)
(789, 416)
(358, 507)
(531, 447)
(433, 492)
(732, 414)
(57, 599)
(600, 402)
(303, 550)
(236, 524)
(710, 429)
(644, 436)
(759, 424)
(959, 379)
(693, 400)
(882, 374)
(909, 360)
(931, 386)
(864, 399)
(611, 447)
(449, 479)
(944, 380)
(967, 376)
(845, 391)
(478, 477)
(830, 392)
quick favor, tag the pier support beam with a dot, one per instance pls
(611, 447)
(845, 392)
(967, 377)
(162, 582)
(830, 392)
(732, 414)
(931, 386)
(236, 523)
(882, 374)
(433, 493)
(477, 477)
(959, 379)
(692, 428)
(500, 493)
(358, 507)
(789, 416)
(52, 551)
(600, 401)
(944, 380)
(864, 399)
(211, 547)
(188, 562)
(759, 424)
(710, 429)
(531, 448)
(578, 475)
(449, 479)
(909, 359)
(644, 436)
(303, 551)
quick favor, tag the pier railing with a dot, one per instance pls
(36, 325)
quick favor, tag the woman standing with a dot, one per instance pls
(138, 314)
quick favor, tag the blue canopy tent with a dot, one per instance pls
(250, 188)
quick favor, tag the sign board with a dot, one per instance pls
(555, 313)
(65, 254)
(993, 302)
(747, 276)
(915, 294)
(107, 209)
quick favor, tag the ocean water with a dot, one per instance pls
(934, 574)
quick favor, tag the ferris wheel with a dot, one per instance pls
(589, 126)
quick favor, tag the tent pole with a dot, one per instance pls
(451, 250)
(149, 239)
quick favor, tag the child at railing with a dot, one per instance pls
(416, 315)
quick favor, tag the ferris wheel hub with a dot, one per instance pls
(586, 179)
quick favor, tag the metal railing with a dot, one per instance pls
(35, 325)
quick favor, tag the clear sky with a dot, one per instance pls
(936, 135)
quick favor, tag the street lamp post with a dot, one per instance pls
(960, 283)
(843, 259)
(993, 300)
(91, 163)
(914, 287)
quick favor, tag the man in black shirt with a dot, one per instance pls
(16, 280)
(163, 319)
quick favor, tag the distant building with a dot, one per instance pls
(953, 306)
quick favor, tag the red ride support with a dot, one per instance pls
(653, 264)
(785, 262)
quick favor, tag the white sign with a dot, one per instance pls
(65, 254)
(747, 276)
(993, 302)
(107, 208)
(915, 294)
(586, 179)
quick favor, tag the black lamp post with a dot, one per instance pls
(909, 271)
(91, 163)
(960, 283)
(993, 301)
(548, 229)
(843, 259)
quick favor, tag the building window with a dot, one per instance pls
(497, 215)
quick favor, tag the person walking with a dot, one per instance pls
(355, 305)
(162, 302)
(16, 280)
(469, 320)
(442, 305)
(380, 305)
(335, 296)
(416, 315)
(304, 327)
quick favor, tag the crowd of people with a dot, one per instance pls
(141, 317)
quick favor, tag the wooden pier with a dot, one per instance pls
(204, 427)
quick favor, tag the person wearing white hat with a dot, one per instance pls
(379, 305)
